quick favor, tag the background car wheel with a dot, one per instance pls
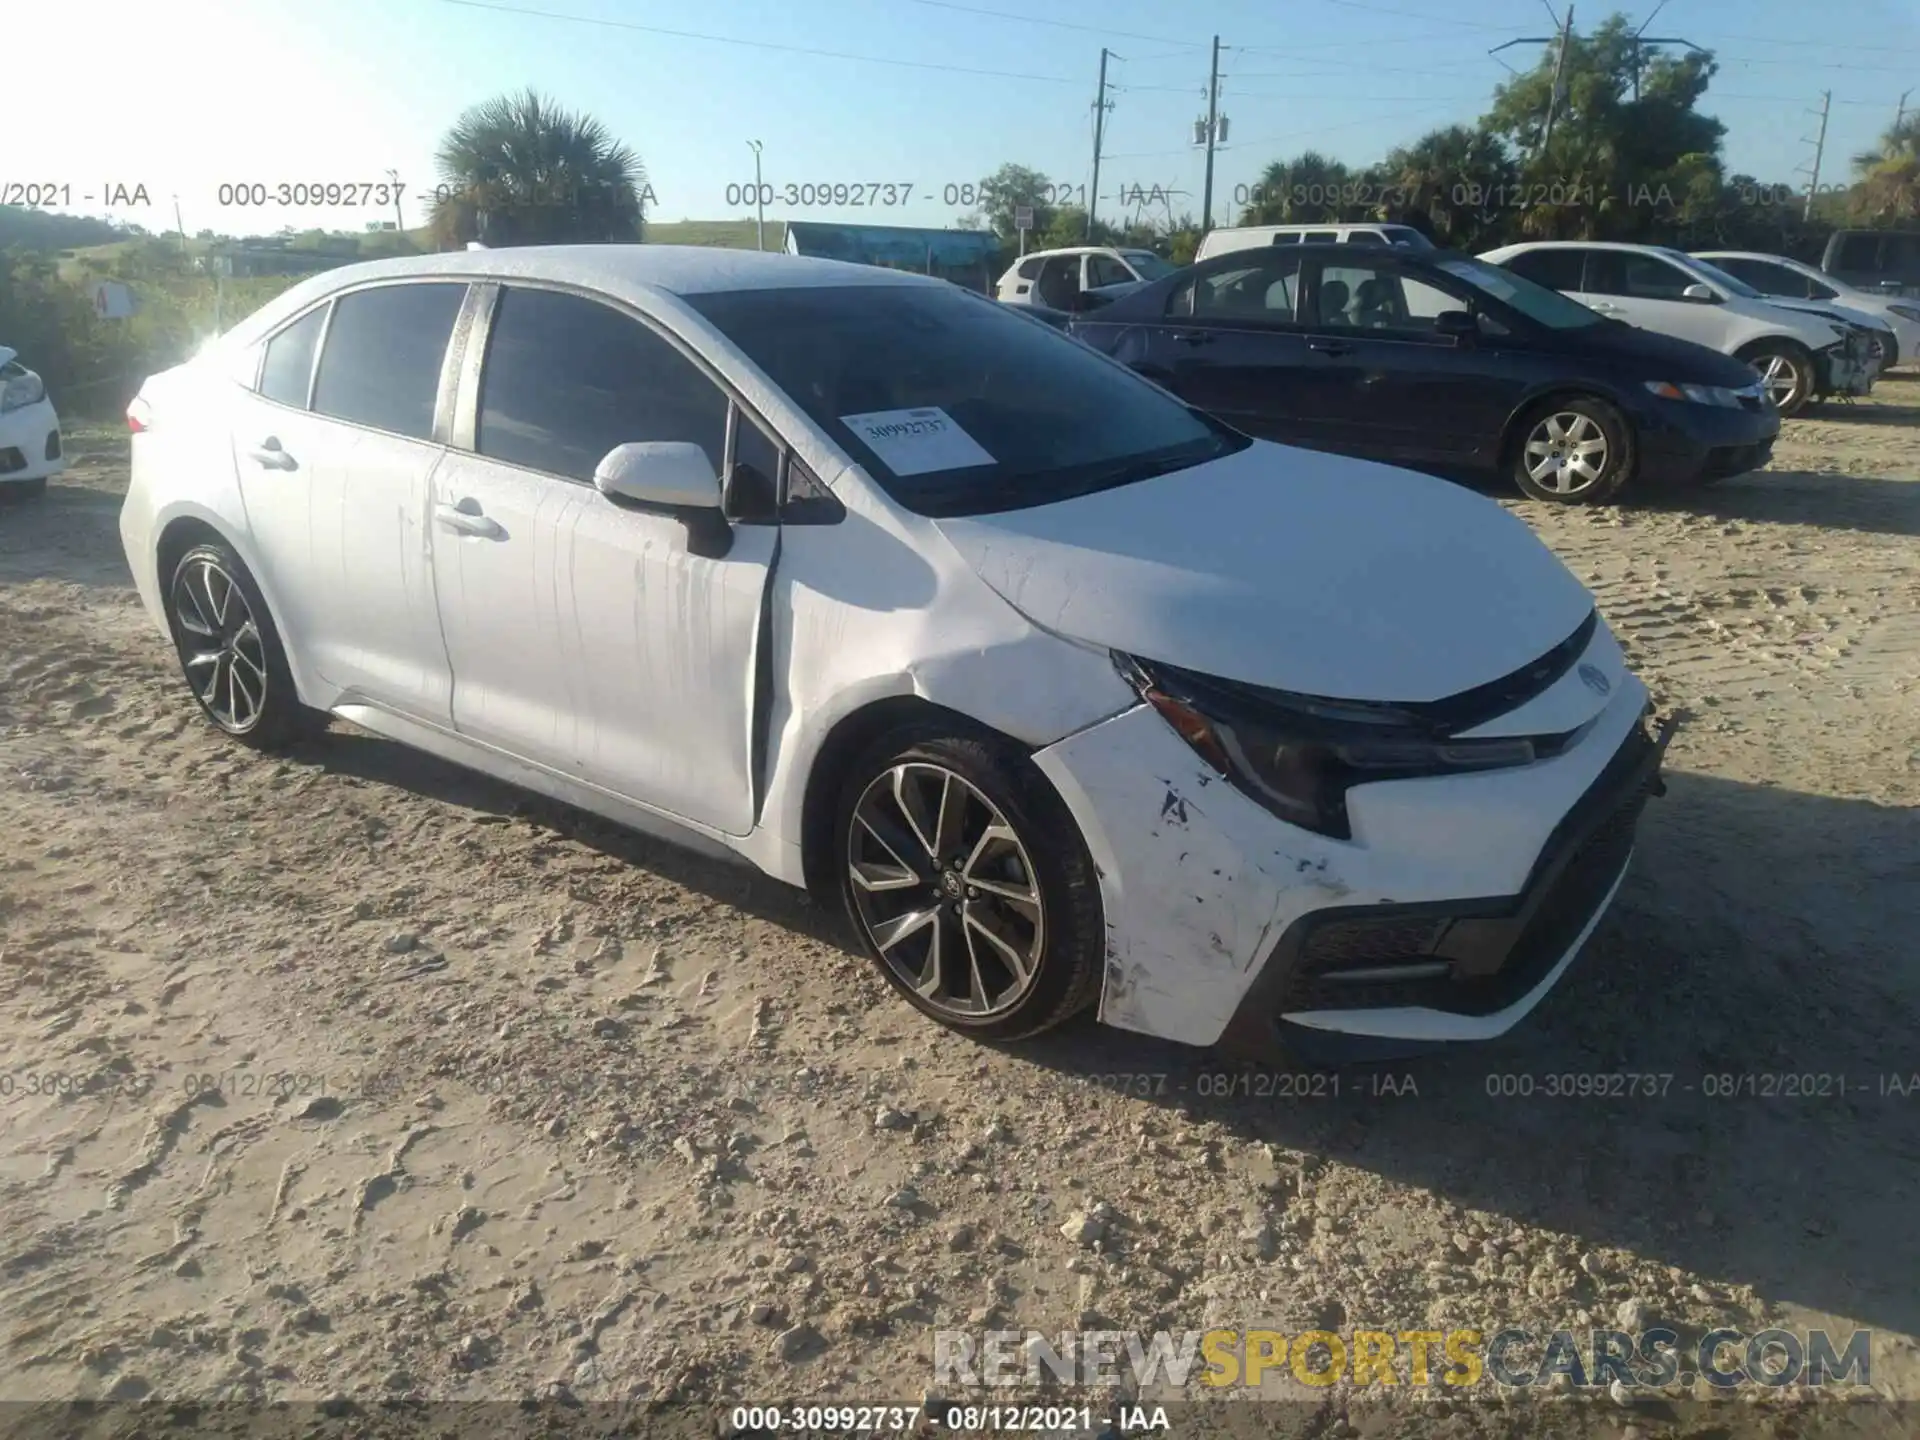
(23, 489)
(968, 882)
(1574, 451)
(230, 652)
(1787, 373)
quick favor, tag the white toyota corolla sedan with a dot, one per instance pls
(1066, 691)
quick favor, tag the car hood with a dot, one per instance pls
(1844, 313)
(1291, 569)
(1665, 357)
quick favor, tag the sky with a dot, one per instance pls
(182, 97)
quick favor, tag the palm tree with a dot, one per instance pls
(1889, 177)
(519, 170)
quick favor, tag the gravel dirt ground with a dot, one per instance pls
(350, 1075)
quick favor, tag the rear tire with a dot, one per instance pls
(230, 652)
(968, 882)
(1573, 451)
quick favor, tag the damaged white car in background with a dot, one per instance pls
(1068, 693)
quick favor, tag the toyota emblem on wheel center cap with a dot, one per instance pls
(1592, 677)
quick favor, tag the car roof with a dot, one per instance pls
(1751, 255)
(667, 269)
(1587, 245)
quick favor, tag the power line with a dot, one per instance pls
(1415, 15)
(754, 44)
(1059, 24)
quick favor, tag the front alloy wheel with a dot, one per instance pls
(1577, 449)
(1787, 378)
(221, 648)
(945, 891)
(1566, 453)
(968, 881)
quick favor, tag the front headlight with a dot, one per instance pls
(1905, 312)
(24, 388)
(1298, 756)
(1701, 394)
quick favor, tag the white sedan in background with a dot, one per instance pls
(1780, 278)
(1066, 692)
(30, 444)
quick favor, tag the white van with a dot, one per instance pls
(1251, 237)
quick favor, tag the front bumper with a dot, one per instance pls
(1209, 899)
(1684, 443)
(1847, 368)
(1454, 970)
(31, 446)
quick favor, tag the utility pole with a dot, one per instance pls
(759, 201)
(1559, 69)
(1213, 129)
(1900, 115)
(1099, 129)
(180, 224)
(399, 221)
(1561, 38)
(1819, 150)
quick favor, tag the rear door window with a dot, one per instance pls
(1555, 269)
(384, 351)
(1261, 288)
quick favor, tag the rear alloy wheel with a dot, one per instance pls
(1576, 451)
(969, 884)
(1786, 374)
(230, 652)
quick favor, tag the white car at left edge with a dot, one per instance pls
(31, 450)
(1068, 694)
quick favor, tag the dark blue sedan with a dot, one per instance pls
(1441, 361)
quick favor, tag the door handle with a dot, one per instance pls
(467, 522)
(1330, 347)
(1195, 337)
(269, 456)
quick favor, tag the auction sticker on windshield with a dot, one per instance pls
(917, 442)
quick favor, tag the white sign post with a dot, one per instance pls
(1023, 222)
(112, 300)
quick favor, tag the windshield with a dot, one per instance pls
(1149, 265)
(955, 405)
(1719, 277)
(1536, 302)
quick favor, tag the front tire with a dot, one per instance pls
(230, 653)
(1576, 451)
(968, 882)
(1787, 373)
(23, 489)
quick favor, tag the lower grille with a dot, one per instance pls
(1467, 960)
(1725, 460)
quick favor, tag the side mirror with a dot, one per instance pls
(1458, 326)
(661, 474)
(674, 476)
(1700, 294)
